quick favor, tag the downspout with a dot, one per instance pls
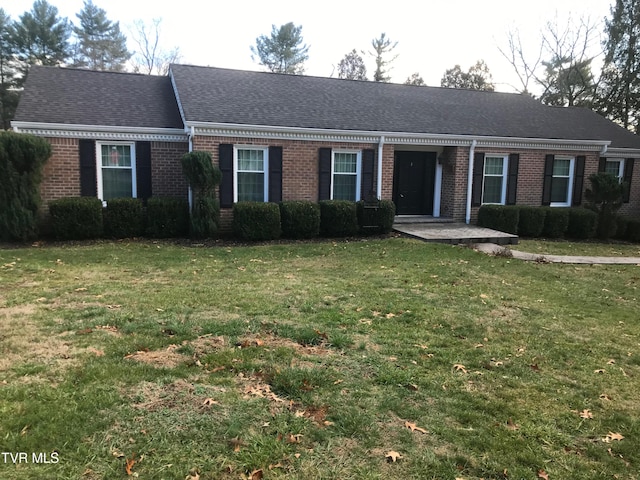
(191, 135)
(379, 182)
(472, 152)
(605, 147)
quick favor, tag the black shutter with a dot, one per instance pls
(478, 172)
(548, 177)
(143, 169)
(578, 181)
(512, 178)
(368, 167)
(275, 174)
(602, 164)
(324, 174)
(226, 167)
(88, 179)
(628, 174)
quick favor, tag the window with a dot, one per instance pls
(615, 166)
(251, 180)
(345, 175)
(494, 189)
(562, 182)
(116, 170)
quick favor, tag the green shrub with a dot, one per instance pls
(300, 219)
(622, 223)
(633, 231)
(582, 223)
(499, 217)
(203, 176)
(605, 197)
(167, 217)
(531, 221)
(373, 220)
(556, 222)
(256, 221)
(76, 218)
(123, 218)
(338, 218)
(22, 158)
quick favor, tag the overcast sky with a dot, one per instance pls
(431, 38)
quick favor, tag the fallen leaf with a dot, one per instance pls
(390, 315)
(217, 369)
(81, 289)
(414, 428)
(84, 331)
(96, 352)
(611, 362)
(209, 401)
(600, 370)
(606, 397)
(193, 475)
(297, 455)
(413, 387)
(542, 474)
(460, 368)
(130, 462)
(236, 443)
(512, 426)
(275, 465)
(256, 475)
(291, 438)
(393, 456)
(612, 436)
(535, 367)
(586, 414)
(24, 430)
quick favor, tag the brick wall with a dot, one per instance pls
(167, 179)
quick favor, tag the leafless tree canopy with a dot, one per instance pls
(150, 57)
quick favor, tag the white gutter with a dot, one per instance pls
(604, 150)
(472, 152)
(379, 182)
(190, 192)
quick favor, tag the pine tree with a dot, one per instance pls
(352, 67)
(382, 47)
(619, 95)
(478, 77)
(283, 51)
(100, 43)
(40, 37)
(8, 94)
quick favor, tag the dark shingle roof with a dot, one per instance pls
(257, 98)
(86, 97)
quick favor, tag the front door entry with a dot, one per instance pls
(413, 182)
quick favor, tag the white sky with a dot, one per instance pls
(432, 35)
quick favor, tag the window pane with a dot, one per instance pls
(252, 160)
(116, 155)
(612, 167)
(493, 166)
(344, 187)
(116, 183)
(492, 190)
(561, 167)
(250, 187)
(345, 162)
(559, 190)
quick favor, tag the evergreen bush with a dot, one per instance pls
(633, 231)
(203, 177)
(531, 221)
(167, 217)
(338, 218)
(622, 223)
(582, 223)
(256, 221)
(499, 217)
(123, 218)
(22, 158)
(76, 218)
(374, 220)
(556, 222)
(300, 219)
(605, 197)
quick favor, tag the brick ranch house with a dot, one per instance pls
(433, 151)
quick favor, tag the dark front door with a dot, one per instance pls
(413, 182)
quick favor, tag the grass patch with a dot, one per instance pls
(583, 248)
(310, 360)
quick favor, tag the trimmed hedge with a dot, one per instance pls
(300, 219)
(582, 223)
(123, 218)
(76, 218)
(633, 231)
(556, 222)
(531, 221)
(203, 177)
(622, 224)
(167, 217)
(377, 219)
(338, 218)
(499, 217)
(256, 221)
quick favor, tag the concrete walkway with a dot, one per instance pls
(498, 250)
(454, 233)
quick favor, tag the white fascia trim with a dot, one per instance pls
(175, 92)
(101, 132)
(401, 138)
(622, 153)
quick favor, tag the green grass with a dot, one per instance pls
(587, 248)
(305, 361)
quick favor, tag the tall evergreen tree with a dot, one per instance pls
(8, 94)
(352, 67)
(101, 45)
(381, 48)
(619, 95)
(568, 83)
(283, 51)
(41, 37)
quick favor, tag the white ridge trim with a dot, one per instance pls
(101, 132)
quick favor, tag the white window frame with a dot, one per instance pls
(358, 170)
(265, 168)
(99, 167)
(620, 162)
(572, 164)
(505, 172)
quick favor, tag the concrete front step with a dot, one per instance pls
(455, 233)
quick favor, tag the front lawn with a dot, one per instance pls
(370, 359)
